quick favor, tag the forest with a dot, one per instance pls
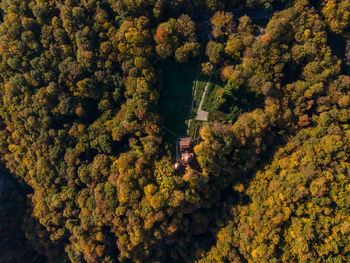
(92, 93)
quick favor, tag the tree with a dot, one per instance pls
(337, 14)
(234, 46)
(207, 68)
(214, 51)
(222, 24)
(177, 38)
(187, 51)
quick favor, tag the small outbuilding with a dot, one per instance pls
(187, 158)
(185, 144)
(185, 153)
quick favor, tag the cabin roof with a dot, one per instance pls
(185, 143)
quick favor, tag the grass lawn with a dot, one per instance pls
(194, 129)
(176, 94)
(209, 101)
(261, 22)
(202, 80)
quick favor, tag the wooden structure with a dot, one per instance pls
(187, 158)
(185, 144)
(186, 151)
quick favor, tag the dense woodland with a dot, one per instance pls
(82, 132)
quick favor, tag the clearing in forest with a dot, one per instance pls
(176, 94)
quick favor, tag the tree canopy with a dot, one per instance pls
(82, 131)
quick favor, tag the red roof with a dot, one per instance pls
(185, 144)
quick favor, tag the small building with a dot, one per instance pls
(185, 144)
(185, 154)
(187, 158)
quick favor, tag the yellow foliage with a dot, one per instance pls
(136, 236)
(150, 190)
(307, 33)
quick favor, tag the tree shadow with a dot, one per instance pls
(177, 81)
(337, 43)
(14, 246)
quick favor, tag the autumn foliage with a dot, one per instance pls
(82, 131)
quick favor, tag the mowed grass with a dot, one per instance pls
(214, 87)
(176, 94)
(194, 130)
(211, 103)
(202, 80)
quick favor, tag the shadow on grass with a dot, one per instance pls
(225, 106)
(176, 94)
